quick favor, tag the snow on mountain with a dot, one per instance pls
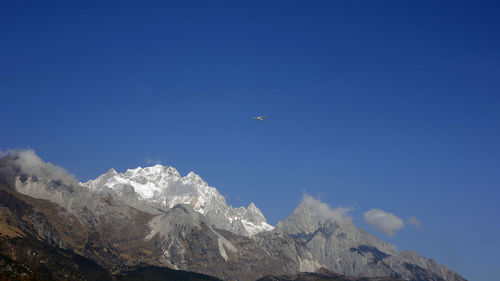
(163, 186)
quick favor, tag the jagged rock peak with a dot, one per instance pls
(312, 214)
(111, 171)
(336, 242)
(163, 186)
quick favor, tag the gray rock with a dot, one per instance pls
(353, 252)
(108, 222)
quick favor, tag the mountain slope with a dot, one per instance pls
(324, 275)
(163, 187)
(105, 229)
(154, 217)
(153, 273)
(343, 248)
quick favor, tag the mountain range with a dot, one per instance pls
(154, 222)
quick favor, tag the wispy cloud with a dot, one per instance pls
(339, 214)
(414, 221)
(150, 161)
(29, 163)
(384, 222)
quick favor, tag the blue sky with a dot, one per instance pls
(372, 104)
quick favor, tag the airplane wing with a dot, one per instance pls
(260, 118)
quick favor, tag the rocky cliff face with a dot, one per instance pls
(349, 251)
(163, 187)
(116, 236)
(188, 242)
(154, 217)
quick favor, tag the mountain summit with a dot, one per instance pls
(163, 187)
(336, 242)
(153, 216)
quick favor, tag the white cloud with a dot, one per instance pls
(339, 214)
(150, 161)
(414, 221)
(29, 163)
(384, 222)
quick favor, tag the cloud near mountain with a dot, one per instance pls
(151, 161)
(384, 222)
(29, 163)
(154, 216)
(339, 214)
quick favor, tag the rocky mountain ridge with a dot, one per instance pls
(153, 216)
(164, 187)
(117, 236)
(349, 251)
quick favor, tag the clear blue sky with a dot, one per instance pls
(372, 104)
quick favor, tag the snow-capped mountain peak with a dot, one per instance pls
(192, 178)
(163, 186)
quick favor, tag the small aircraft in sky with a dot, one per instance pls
(260, 118)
